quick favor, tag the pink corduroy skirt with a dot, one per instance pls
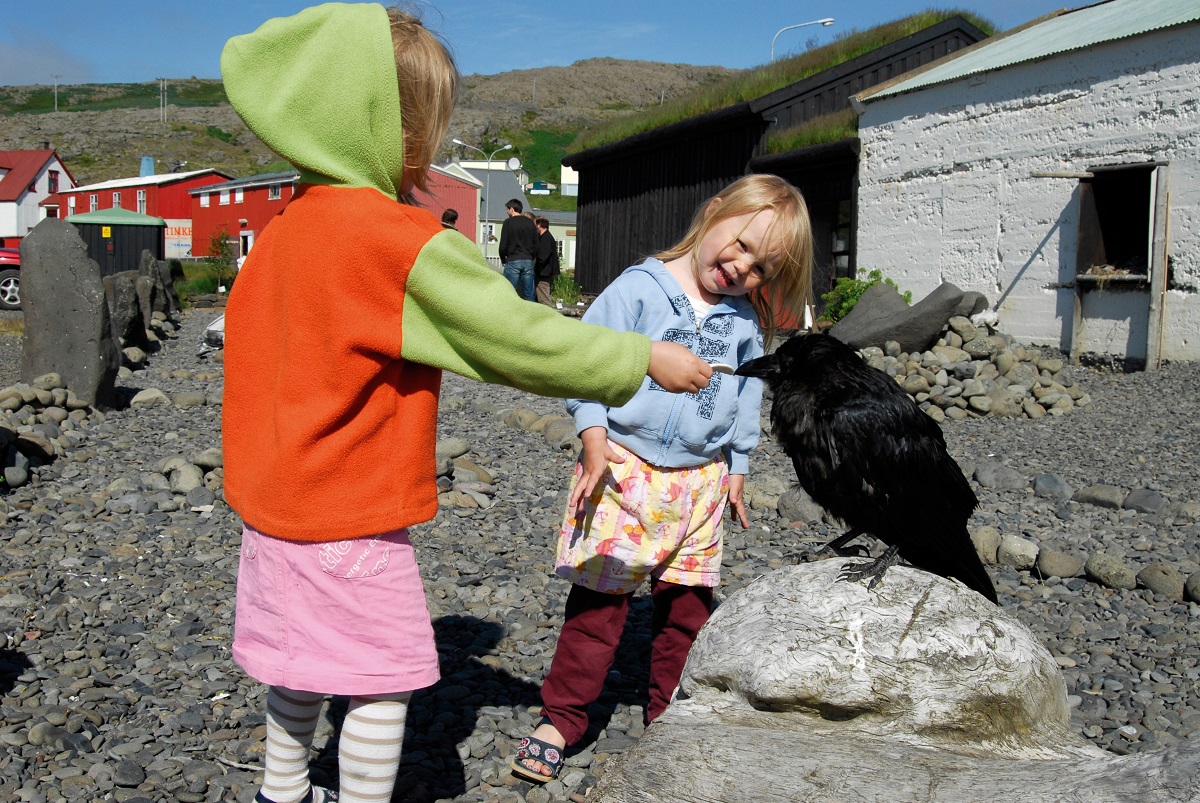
(341, 617)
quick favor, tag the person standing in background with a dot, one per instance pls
(450, 219)
(545, 261)
(518, 243)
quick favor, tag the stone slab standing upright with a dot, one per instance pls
(170, 294)
(67, 326)
(125, 309)
(150, 291)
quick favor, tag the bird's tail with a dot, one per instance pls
(976, 577)
(963, 564)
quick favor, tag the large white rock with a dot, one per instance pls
(804, 687)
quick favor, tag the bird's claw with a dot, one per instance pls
(857, 571)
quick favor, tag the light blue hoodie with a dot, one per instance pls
(677, 430)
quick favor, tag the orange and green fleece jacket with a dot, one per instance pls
(351, 303)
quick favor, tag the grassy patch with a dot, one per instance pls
(770, 77)
(100, 97)
(826, 128)
(13, 326)
(217, 133)
(556, 202)
(199, 278)
(543, 155)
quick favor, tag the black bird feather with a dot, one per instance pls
(867, 454)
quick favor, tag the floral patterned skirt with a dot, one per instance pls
(646, 521)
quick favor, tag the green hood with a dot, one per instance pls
(319, 88)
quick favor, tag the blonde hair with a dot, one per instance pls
(428, 79)
(787, 288)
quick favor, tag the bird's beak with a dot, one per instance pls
(761, 367)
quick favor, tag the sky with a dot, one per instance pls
(134, 41)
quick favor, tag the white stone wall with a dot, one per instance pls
(947, 192)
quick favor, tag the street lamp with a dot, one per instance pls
(487, 189)
(825, 23)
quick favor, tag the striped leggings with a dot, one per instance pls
(368, 749)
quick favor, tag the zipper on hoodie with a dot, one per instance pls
(668, 430)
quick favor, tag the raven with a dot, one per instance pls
(865, 452)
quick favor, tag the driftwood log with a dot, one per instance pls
(803, 687)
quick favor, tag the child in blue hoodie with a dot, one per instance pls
(651, 487)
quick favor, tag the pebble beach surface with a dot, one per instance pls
(116, 595)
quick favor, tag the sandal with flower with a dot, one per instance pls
(533, 751)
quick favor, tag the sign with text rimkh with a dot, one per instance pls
(177, 239)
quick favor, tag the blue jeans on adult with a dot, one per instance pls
(519, 273)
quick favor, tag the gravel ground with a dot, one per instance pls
(116, 606)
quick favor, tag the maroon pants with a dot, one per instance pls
(588, 643)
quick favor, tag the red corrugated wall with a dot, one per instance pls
(449, 192)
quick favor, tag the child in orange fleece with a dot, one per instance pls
(349, 307)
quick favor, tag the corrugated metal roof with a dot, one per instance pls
(504, 186)
(21, 168)
(285, 177)
(1060, 32)
(139, 181)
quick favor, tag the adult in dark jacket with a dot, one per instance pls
(545, 261)
(518, 244)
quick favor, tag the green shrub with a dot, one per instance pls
(564, 288)
(846, 293)
(217, 133)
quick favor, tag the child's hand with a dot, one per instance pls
(737, 505)
(676, 368)
(597, 454)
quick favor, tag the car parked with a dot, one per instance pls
(10, 278)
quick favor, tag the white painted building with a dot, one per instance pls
(27, 180)
(1056, 169)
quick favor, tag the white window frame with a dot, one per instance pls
(141, 202)
(223, 198)
(70, 204)
(274, 192)
(93, 202)
(204, 199)
(239, 195)
(116, 204)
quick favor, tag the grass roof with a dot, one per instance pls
(755, 83)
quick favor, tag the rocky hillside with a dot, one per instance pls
(106, 144)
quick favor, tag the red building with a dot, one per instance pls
(165, 196)
(456, 189)
(243, 207)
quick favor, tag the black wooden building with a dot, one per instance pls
(115, 238)
(638, 195)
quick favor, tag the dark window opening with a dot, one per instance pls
(840, 241)
(1114, 222)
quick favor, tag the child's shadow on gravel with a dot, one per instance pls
(443, 715)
